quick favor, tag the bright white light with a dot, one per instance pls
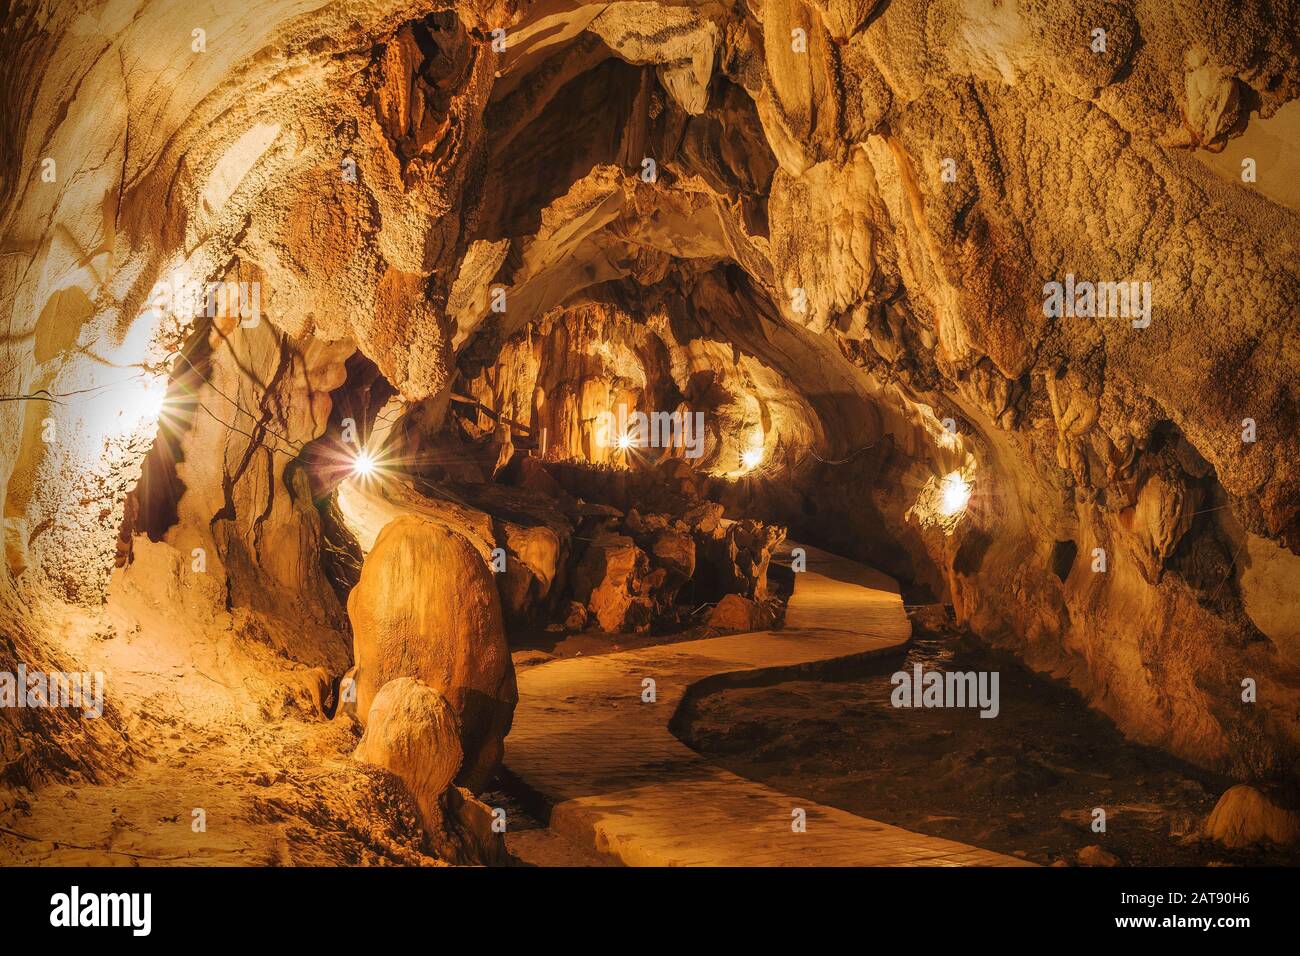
(142, 402)
(624, 442)
(751, 459)
(363, 466)
(954, 493)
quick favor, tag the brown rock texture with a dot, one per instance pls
(412, 731)
(832, 227)
(426, 608)
(735, 613)
(606, 580)
(1244, 816)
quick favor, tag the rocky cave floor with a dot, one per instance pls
(278, 785)
(283, 790)
(223, 728)
(1023, 784)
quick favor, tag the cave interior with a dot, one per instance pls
(371, 364)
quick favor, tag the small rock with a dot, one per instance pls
(1245, 816)
(674, 551)
(414, 732)
(704, 518)
(576, 617)
(1096, 856)
(466, 835)
(736, 613)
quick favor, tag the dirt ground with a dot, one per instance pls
(1024, 783)
(228, 760)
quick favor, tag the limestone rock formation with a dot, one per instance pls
(736, 613)
(414, 732)
(535, 565)
(1244, 816)
(674, 550)
(607, 581)
(739, 555)
(468, 831)
(426, 608)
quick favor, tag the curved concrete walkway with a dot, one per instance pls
(619, 781)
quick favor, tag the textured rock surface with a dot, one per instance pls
(839, 252)
(735, 613)
(468, 831)
(606, 580)
(426, 607)
(412, 731)
(674, 550)
(1244, 816)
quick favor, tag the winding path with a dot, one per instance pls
(618, 780)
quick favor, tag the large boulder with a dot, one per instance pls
(426, 607)
(705, 519)
(412, 731)
(608, 578)
(1245, 816)
(533, 561)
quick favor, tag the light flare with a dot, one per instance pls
(364, 465)
(954, 494)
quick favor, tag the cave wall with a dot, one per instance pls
(703, 343)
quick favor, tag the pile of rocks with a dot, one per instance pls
(639, 571)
